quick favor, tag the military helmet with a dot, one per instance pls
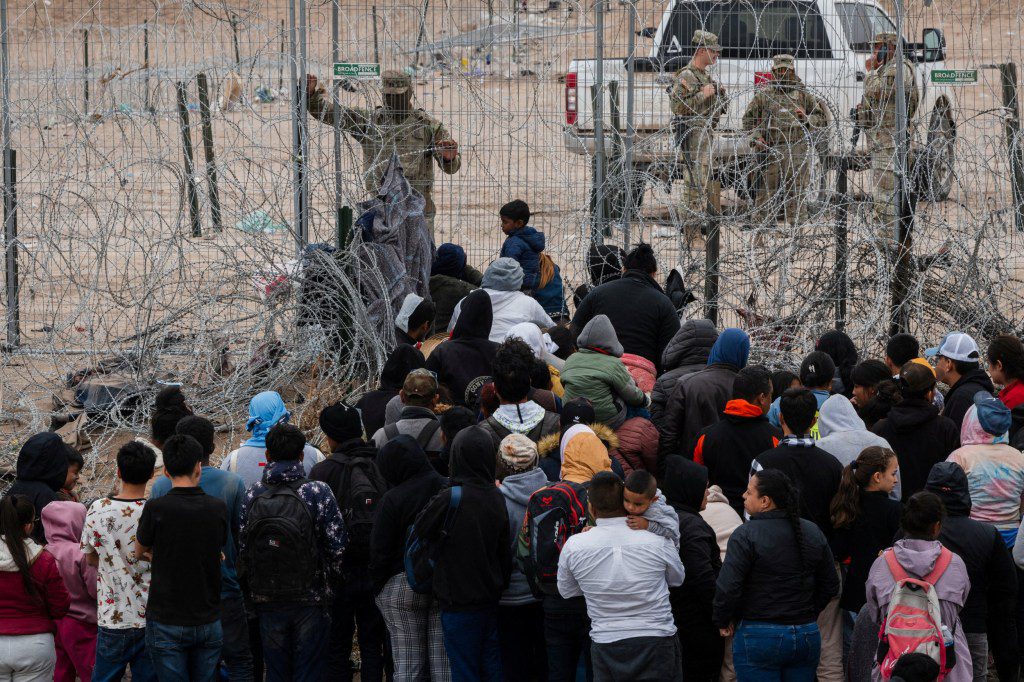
(884, 38)
(784, 61)
(396, 82)
(706, 39)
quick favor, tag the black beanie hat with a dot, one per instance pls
(577, 411)
(340, 422)
(817, 369)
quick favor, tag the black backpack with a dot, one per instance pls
(423, 437)
(281, 557)
(359, 490)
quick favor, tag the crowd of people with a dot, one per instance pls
(619, 496)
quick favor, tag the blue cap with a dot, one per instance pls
(993, 415)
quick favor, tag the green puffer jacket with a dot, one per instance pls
(447, 291)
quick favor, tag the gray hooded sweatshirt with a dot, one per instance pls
(843, 434)
(517, 490)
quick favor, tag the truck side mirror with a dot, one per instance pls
(934, 43)
(647, 32)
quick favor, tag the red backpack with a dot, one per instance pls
(553, 515)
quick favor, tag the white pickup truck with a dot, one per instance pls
(831, 42)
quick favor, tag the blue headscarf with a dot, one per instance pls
(731, 348)
(450, 260)
(265, 410)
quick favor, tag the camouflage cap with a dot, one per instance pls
(420, 383)
(784, 61)
(706, 39)
(886, 38)
(396, 82)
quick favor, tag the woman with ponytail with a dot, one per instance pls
(777, 576)
(865, 519)
(32, 597)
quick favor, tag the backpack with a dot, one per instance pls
(913, 623)
(422, 438)
(545, 270)
(281, 557)
(553, 515)
(498, 431)
(358, 493)
(420, 552)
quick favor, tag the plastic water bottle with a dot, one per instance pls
(949, 644)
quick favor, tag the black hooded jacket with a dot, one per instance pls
(42, 468)
(642, 315)
(413, 482)
(686, 353)
(474, 562)
(989, 564)
(372, 405)
(605, 264)
(684, 486)
(872, 531)
(920, 437)
(960, 396)
(466, 360)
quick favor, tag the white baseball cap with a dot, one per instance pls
(956, 346)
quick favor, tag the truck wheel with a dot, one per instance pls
(935, 168)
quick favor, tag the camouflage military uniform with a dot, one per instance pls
(772, 115)
(698, 117)
(877, 117)
(380, 132)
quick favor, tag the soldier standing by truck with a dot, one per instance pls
(876, 114)
(417, 137)
(698, 102)
(781, 120)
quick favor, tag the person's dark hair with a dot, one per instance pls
(963, 367)
(135, 462)
(840, 347)
(920, 514)
(817, 370)
(641, 482)
(902, 348)
(845, 507)
(642, 258)
(887, 394)
(540, 375)
(456, 419)
(16, 512)
(798, 407)
(285, 443)
(605, 494)
(489, 400)
(169, 407)
(916, 381)
(750, 382)
(916, 667)
(517, 209)
(424, 312)
(870, 373)
(562, 337)
(181, 454)
(1008, 350)
(779, 487)
(512, 370)
(782, 380)
(202, 430)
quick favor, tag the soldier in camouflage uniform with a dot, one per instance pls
(876, 114)
(781, 120)
(419, 139)
(698, 102)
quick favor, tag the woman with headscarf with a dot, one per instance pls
(372, 405)
(465, 362)
(266, 410)
(451, 280)
(838, 346)
(543, 349)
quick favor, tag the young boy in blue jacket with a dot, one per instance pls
(525, 245)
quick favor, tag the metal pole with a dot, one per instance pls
(211, 161)
(85, 54)
(1011, 127)
(423, 31)
(147, 105)
(376, 45)
(297, 16)
(10, 215)
(597, 230)
(191, 194)
(629, 207)
(711, 264)
(335, 52)
(280, 65)
(901, 196)
(233, 21)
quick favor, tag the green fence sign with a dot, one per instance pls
(955, 76)
(353, 70)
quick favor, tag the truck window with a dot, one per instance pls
(861, 23)
(747, 29)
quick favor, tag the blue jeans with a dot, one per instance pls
(471, 640)
(236, 652)
(295, 638)
(184, 652)
(765, 652)
(116, 650)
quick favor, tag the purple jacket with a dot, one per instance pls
(917, 557)
(63, 522)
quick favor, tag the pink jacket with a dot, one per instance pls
(63, 522)
(641, 369)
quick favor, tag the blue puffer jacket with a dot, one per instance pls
(524, 245)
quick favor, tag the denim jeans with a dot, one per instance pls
(236, 652)
(524, 655)
(354, 606)
(295, 638)
(766, 652)
(567, 632)
(471, 640)
(117, 650)
(184, 652)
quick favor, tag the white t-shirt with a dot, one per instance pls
(123, 587)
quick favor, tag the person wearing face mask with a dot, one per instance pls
(415, 136)
(781, 119)
(698, 102)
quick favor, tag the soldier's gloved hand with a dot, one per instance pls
(448, 149)
(312, 85)
(709, 91)
(800, 113)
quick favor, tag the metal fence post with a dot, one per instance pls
(11, 284)
(335, 54)
(300, 142)
(900, 287)
(630, 202)
(191, 193)
(211, 160)
(1011, 127)
(600, 216)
